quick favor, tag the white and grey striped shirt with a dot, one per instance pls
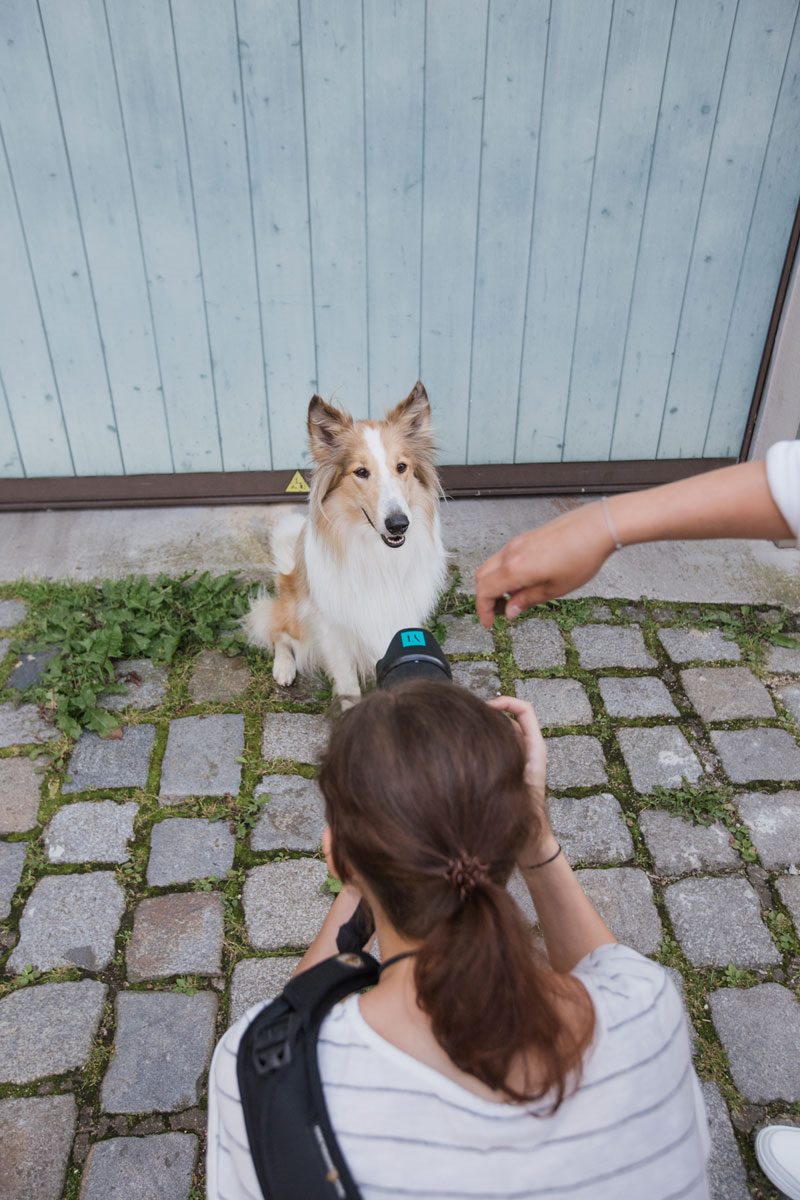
(636, 1126)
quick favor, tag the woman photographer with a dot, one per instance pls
(478, 1067)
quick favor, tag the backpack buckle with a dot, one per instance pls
(272, 1048)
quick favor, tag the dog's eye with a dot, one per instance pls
(401, 468)
(361, 472)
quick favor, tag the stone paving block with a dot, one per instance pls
(284, 904)
(574, 761)
(790, 697)
(788, 888)
(48, 1030)
(726, 693)
(726, 1173)
(12, 858)
(4, 644)
(556, 701)
(611, 646)
(537, 644)
(624, 898)
(749, 754)
(187, 848)
(69, 921)
(783, 660)
(658, 757)
(258, 979)
(718, 921)
(19, 795)
(698, 645)
(774, 824)
(91, 831)
(11, 613)
(102, 763)
(466, 635)
(636, 696)
(201, 757)
(293, 817)
(161, 1051)
(36, 1136)
(23, 726)
(678, 847)
(601, 612)
(760, 1030)
(294, 736)
(176, 935)
(480, 678)
(30, 667)
(592, 829)
(145, 685)
(218, 677)
(140, 1168)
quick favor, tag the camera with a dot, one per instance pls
(412, 654)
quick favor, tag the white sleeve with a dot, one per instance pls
(783, 476)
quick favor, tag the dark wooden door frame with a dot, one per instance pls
(505, 479)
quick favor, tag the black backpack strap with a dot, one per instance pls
(295, 1150)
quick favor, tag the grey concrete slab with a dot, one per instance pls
(202, 757)
(36, 1134)
(726, 693)
(783, 660)
(611, 646)
(294, 736)
(12, 859)
(140, 1168)
(788, 888)
(293, 817)
(19, 794)
(69, 921)
(30, 667)
(678, 847)
(466, 635)
(49, 1029)
(658, 757)
(478, 677)
(591, 829)
(11, 613)
(187, 848)
(773, 820)
(556, 701)
(218, 677)
(538, 644)
(105, 543)
(284, 904)
(162, 1049)
(624, 898)
(790, 696)
(698, 645)
(751, 754)
(759, 1028)
(91, 831)
(102, 763)
(726, 1173)
(718, 921)
(256, 980)
(179, 934)
(145, 685)
(4, 644)
(574, 761)
(23, 725)
(636, 696)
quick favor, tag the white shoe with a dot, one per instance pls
(778, 1154)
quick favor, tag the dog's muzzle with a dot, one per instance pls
(396, 524)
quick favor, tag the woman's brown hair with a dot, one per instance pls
(426, 798)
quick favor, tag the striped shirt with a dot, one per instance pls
(635, 1127)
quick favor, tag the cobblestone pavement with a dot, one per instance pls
(155, 884)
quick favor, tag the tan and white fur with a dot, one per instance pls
(368, 558)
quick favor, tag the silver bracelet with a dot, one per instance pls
(610, 524)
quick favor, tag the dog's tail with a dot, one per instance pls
(257, 621)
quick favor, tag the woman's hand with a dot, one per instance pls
(535, 756)
(543, 563)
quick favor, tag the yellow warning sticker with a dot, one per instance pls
(297, 484)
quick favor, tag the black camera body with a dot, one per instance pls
(412, 654)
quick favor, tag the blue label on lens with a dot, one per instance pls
(413, 637)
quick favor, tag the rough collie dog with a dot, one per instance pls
(368, 559)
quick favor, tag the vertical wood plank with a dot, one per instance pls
(698, 53)
(770, 228)
(755, 66)
(632, 95)
(208, 69)
(40, 169)
(576, 56)
(30, 387)
(144, 57)
(334, 103)
(394, 50)
(84, 77)
(514, 81)
(269, 46)
(455, 59)
(11, 465)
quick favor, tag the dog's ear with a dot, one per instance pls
(325, 426)
(413, 413)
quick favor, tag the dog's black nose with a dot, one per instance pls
(396, 522)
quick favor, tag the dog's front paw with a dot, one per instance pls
(340, 704)
(284, 671)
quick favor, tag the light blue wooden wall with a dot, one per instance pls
(568, 217)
